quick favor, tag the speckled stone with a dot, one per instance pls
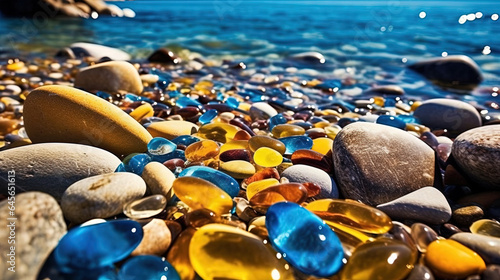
(159, 179)
(477, 153)
(377, 163)
(156, 241)
(101, 196)
(172, 129)
(111, 76)
(487, 247)
(38, 228)
(466, 215)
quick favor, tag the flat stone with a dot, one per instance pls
(159, 179)
(52, 167)
(477, 153)
(300, 173)
(101, 196)
(377, 163)
(453, 71)
(38, 228)
(426, 205)
(262, 111)
(66, 114)
(453, 115)
(98, 51)
(172, 129)
(111, 77)
(486, 246)
(156, 241)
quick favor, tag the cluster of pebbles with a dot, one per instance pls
(188, 168)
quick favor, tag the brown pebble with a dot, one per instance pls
(466, 215)
(156, 240)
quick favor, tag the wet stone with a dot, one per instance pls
(267, 157)
(148, 267)
(292, 192)
(218, 178)
(299, 173)
(423, 235)
(420, 272)
(146, 207)
(257, 142)
(486, 227)
(161, 146)
(202, 150)
(294, 143)
(312, 158)
(286, 130)
(200, 217)
(236, 154)
(260, 185)
(487, 247)
(220, 132)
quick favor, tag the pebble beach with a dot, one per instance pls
(171, 163)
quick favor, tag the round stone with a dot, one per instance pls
(300, 173)
(111, 76)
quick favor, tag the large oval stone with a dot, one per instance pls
(36, 227)
(172, 129)
(477, 153)
(453, 115)
(111, 76)
(488, 247)
(52, 167)
(377, 163)
(99, 51)
(101, 196)
(65, 114)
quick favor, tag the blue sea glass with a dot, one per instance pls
(175, 154)
(294, 143)
(137, 163)
(275, 120)
(185, 101)
(161, 146)
(185, 140)
(97, 245)
(232, 102)
(304, 239)
(148, 267)
(218, 178)
(51, 270)
(121, 168)
(391, 121)
(208, 116)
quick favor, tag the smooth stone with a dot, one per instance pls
(420, 272)
(447, 230)
(385, 90)
(148, 267)
(69, 115)
(99, 245)
(451, 260)
(200, 217)
(260, 141)
(38, 226)
(376, 163)
(52, 167)
(178, 255)
(101, 196)
(453, 115)
(257, 186)
(309, 57)
(466, 215)
(427, 205)
(142, 112)
(487, 247)
(156, 241)
(146, 207)
(300, 173)
(486, 227)
(99, 51)
(225, 252)
(381, 259)
(262, 111)
(292, 192)
(202, 150)
(220, 132)
(423, 235)
(159, 179)
(238, 169)
(159, 146)
(477, 153)
(304, 239)
(111, 77)
(453, 71)
(267, 157)
(172, 129)
(216, 177)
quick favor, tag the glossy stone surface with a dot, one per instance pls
(161, 146)
(172, 129)
(292, 192)
(202, 150)
(420, 272)
(381, 259)
(148, 267)
(223, 252)
(322, 145)
(143, 111)
(146, 207)
(487, 247)
(267, 157)
(198, 193)
(208, 116)
(286, 130)
(234, 144)
(218, 178)
(238, 169)
(356, 215)
(486, 227)
(178, 255)
(200, 217)
(220, 132)
(450, 259)
(137, 163)
(299, 173)
(314, 159)
(466, 215)
(423, 235)
(236, 154)
(294, 143)
(309, 244)
(97, 245)
(257, 142)
(391, 121)
(260, 185)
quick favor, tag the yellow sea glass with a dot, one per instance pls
(285, 130)
(202, 150)
(220, 132)
(178, 255)
(267, 157)
(257, 186)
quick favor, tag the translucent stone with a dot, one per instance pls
(220, 179)
(148, 267)
(352, 214)
(294, 143)
(137, 163)
(276, 120)
(391, 121)
(198, 193)
(161, 146)
(400, 233)
(223, 252)
(97, 245)
(258, 186)
(423, 235)
(257, 142)
(202, 150)
(177, 154)
(208, 116)
(286, 130)
(236, 154)
(234, 145)
(185, 101)
(220, 132)
(185, 140)
(304, 240)
(145, 207)
(381, 259)
(238, 169)
(267, 157)
(232, 102)
(178, 255)
(292, 192)
(262, 174)
(314, 159)
(200, 217)
(486, 227)
(332, 131)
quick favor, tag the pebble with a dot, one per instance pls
(111, 77)
(427, 205)
(156, 241)
(52, 167)
(218, 178)
(65, 114)
(142, 112)
(202, 150)
(420, 272)
(257, 142)
(376, 163)
(322, 145)
(164, 56)
(300, 173)
(314, 159)
(220, 132)
(292, 192)
(267, 157)
(178, 255)
(451, 260)
(488, 247)
(224, 252)
(99, 51)
(262, 111)
(148, 267)
(172, 129)
(453, 115)
(260, 185)
(477, 153)
(486, 227)
(37, 229)
(295, 143)
(101, 196)
(238, 169)
(159, 146)
(159, 179)
(145, 207)
(423, 235)
(466, 215)
(304, 240)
